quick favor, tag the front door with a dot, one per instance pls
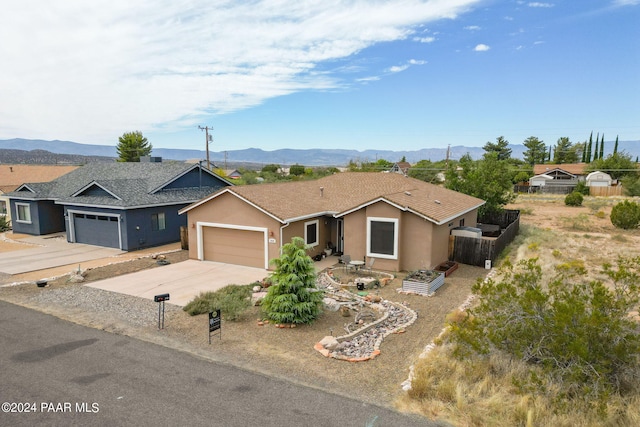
(340, 236)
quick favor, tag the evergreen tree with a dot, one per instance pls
(294, 297)
(615, 147)
(535, 153)
(589, 148)
(565, 151)
(500, 147)
(601, 156)
(131, 146)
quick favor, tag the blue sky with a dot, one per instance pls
(399, 75)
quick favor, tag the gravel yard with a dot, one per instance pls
(286, 353)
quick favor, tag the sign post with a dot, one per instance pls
(160, 299)
(214, 323)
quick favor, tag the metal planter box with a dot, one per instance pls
(424, 287)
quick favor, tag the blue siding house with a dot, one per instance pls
(121, 205)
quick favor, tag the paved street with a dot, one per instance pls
(66, 374)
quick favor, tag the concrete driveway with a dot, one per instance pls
(182, 281)
(43, 252)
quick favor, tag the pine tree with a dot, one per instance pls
(131, 146)
(294, 297)
(615, 147)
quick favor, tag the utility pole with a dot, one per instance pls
(208, 138)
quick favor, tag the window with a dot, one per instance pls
(462, 222)
(382, 237)
(158, 222)
(3, 207)
(24, 212)
(311, 233)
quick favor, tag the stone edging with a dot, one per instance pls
(406, 384)
(384, 304)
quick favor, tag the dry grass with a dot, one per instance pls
(481, 392)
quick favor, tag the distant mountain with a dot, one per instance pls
(307, 157)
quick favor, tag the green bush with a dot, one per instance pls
(582, 188)
(574, 199)
(626, 215)
(232, 300)
(4, 224)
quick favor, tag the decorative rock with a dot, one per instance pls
(257, 288)
(257, 297)
(330, 304)
(260, 323)
(76, 278)
(329, 342)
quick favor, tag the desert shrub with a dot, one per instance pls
(582, 188)
(556, 253)
(4, 224)
(600, 214)
(232, 300)
(573, 199)
(572, 332)
(626, 215)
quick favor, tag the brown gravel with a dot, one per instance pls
(285, 353)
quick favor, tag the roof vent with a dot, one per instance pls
(437, 202)
(321, 191)
(408, 193)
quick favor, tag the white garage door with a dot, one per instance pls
(232, 246)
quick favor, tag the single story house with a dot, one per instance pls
(560, 171)
(121, 205)
(403, 223)
(401, 168)
(599, 179)
(14, 175)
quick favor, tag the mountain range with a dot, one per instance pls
(306, 157)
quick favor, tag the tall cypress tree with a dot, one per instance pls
(602, 147)
(589, 148)
(615, 147)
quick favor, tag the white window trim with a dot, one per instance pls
(396, 222)
(317, 236)
(18, 213)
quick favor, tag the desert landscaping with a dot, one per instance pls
(550, 231)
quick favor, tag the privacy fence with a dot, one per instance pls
(474, 251)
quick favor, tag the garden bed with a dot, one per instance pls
(423, 282)
(447, 267)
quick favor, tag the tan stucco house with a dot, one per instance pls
(403, 223)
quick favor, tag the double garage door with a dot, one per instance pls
(96, 230)
(234, 246)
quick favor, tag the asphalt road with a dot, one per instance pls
(53, 372)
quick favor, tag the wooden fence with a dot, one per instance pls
(473, 251)
(605, 191)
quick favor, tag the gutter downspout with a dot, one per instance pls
(282, 228)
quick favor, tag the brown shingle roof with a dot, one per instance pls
(572, 168)
(12, 176)
(342, 192)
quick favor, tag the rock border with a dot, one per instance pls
(328, 344)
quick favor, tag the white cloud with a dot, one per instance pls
(424, 39)
(539, 4)
(417, 62)
(626, 2)
(481, 48)
(89, 71)
(398, 68)
(472, 28)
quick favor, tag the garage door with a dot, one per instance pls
(96, 230)
(231, 246)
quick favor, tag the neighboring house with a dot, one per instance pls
(401, 168)
(574, 170)
(121, 205)
(12, 176)
(403, 223)
(599, 179)
(232, 173)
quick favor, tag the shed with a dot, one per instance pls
(599, 179)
